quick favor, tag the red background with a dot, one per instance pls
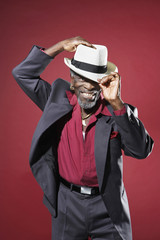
(130, 30)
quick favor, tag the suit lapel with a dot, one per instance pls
(51, 114)
(102, 135)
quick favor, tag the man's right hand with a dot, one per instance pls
(69, 45)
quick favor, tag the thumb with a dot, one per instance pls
(74, 48)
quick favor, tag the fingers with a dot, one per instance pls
(83, 41)
(71, 44)
(109, 78)
(88, 44)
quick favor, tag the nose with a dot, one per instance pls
(90, 85)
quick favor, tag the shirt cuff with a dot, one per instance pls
(42, 49)
(120, 112)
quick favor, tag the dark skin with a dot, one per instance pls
(110, 84)
(69, 45)
(84, 85)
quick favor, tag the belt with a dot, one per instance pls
(80, 189)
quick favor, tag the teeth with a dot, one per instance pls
(88, 95)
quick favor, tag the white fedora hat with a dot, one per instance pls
(91, 63)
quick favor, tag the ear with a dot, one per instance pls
(72, 80)
(72, 83)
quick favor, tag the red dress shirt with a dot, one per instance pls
(76, 158)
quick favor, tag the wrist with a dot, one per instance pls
(62, 44)
(117, 104)
(55, 49)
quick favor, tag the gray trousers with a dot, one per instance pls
(81, 216)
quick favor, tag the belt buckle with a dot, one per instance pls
(86, 190)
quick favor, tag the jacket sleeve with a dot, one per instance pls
(135, 140)
(27, 75)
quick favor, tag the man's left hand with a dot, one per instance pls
(110, 86)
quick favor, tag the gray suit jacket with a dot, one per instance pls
(52, 100)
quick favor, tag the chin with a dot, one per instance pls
(87, 104)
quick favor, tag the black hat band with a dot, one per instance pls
(89, 67)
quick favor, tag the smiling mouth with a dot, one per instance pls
(90, 96)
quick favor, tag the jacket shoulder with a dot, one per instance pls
(61, 84)
(58, 90)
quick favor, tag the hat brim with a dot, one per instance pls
(111, 67)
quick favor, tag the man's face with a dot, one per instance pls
(87, 91)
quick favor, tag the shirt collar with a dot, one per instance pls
(102, 108)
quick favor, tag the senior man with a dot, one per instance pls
(76, 151)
